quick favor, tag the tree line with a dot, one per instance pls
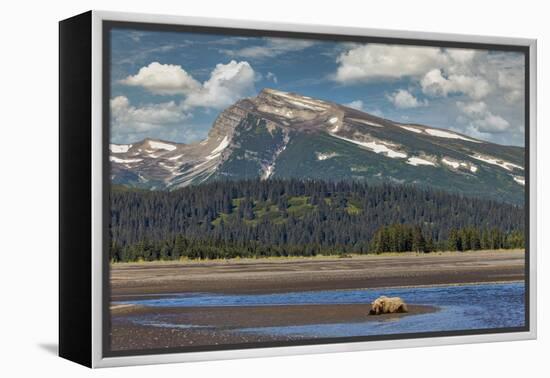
(226, 219)
(407, 238)
(393, 238)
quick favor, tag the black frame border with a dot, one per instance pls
(75, 189)
(108, 25)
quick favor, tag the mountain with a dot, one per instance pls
(286, 135)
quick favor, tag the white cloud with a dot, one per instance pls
(167, 121)
(374, 61)
(434, 83)
(271, 76)
(489, 84)
(440, 72)
(403, 99)
(462, 56)
(165, 79)
(375, 112)
(481, 119)
(356, 104)
(473, 109)
(136, 35)
(129, 118)
(272, 48)
(491, 123)
(361, 106)
(512, 81)
(227, 84)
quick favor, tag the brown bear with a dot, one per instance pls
(385, 305)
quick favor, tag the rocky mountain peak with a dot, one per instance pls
(284, 135)
(274, 98)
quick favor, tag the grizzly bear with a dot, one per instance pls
(385, 305)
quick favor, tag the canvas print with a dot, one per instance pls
(270, 190)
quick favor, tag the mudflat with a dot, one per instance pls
(135, 327)
(202, 326)
(319, 273)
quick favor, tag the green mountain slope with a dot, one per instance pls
(285, 135)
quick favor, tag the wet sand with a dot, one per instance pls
(284, 275)
(220, 325)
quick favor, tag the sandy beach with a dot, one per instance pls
(217, 325)
(302, 274)
(196, 327)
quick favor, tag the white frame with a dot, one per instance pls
(97, 265)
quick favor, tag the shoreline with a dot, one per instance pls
(257, 276)
(318, 258)
(194, 326)
(153, 296)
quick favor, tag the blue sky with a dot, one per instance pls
(172, 85)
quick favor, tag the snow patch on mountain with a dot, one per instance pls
(376, 147)
(446, 134)
(213, 156)
(169, 167)
(494, 161)
(161, 145)
(298, 100)
(269, 168)
(325, 156)
(222, 146)
(268, 171)
(375, 124)
(413, 129)
(119, 148)
(520, 180)
(452, 163)
(457, 164)
(114, 159)
(307, 106)
(365, 122)
(416, 161)
(334, 121)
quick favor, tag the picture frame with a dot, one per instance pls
(86, 164)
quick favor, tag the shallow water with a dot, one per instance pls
(461, 307)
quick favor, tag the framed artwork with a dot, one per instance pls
(232, 189)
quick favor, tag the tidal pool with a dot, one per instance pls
(461, 307)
